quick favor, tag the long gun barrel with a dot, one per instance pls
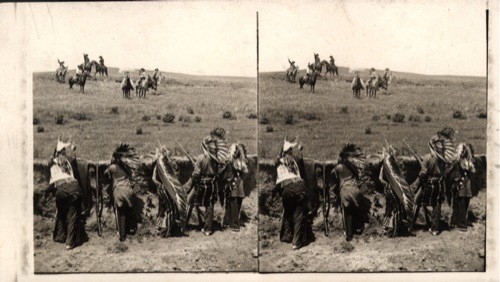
(413, 153)
(185, 152)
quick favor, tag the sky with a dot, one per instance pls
(219, 38)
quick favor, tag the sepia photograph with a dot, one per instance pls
(372, 137)
(144, 137)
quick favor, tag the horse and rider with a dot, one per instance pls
(292, 71)
(61, 72)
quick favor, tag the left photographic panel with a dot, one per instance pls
(144, 137)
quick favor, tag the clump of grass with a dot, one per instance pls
(398, 117)
(368, 130)
(344, 110)
(197, 119)
(36, 121)
(81, 116)
(482, 114)
(376, 118)
(40, 129)
(311, 116)
(168, 118)
(289, 119)
(269, 128)
(420, 110)
(158, 117)
(114, 110)
(252, 116)
(228, 115)
(118, 247)
(414, 118)
(459, 115)
(388, 116)
(138, 131)
(190, 110)
(428, 119)
(60, 119)
(264, 120)
(146, 118)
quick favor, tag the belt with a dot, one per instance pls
(291, 180)
(60, 182)
(207, 178)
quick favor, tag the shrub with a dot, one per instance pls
(252, 116)
(40, 129)
(146, 118)
(414, 118)
(398, 117)
(368, 130)
(311, 116)
(190, 110)
(114, 110)
(482, 114)
(197, 119)
(375, 118)
(158, 117)
(138, 131)
(81, 116)
(228, 115)
(289, 119)
(36, 121)
(344, 110)
(428, 119)
(168, 118)
(264, 120)
(269, 128)
(420, 110)
(459, 115)
(388, 116)
(185, 118)
(60, 119)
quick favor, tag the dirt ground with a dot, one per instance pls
(452, 250)
(144, 252)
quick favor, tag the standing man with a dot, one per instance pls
(290, 181)
(431, 177)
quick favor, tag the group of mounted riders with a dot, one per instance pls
(83, 71)
(445, 174)
(143, 84)
(222, 172)
(313, 71)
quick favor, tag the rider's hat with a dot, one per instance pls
(156, 69)
(387, 69)
(142, 69)
(372, 69)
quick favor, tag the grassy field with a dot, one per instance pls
(331, 117)
(89, 120)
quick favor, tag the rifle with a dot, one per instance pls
(185, 152)
(326, 202)
(99, 201)
(413, 153)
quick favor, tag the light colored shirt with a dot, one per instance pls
(57, 173)
(285, 173)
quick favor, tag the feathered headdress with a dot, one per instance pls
(216, 148)
(353, 157)
(127, 158)
(442, 145)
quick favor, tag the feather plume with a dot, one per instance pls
(352, 156)
(128, 159)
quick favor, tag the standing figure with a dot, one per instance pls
(290, 181)
(232, 179)
(202, 187)
(122, 173)
(458, 184)
(67, 227)
(346, 187)
(430, 181)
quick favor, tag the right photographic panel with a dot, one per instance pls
(372, 136)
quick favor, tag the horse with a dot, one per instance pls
(61, 74)
(143, 86)
(330, 68)
(80, 81)
(126, 87)
(101, 69)
(291, 73)
(373, 85)
(356, 86)
(311, 80)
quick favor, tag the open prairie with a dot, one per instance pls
(331, 117)
(98, 121)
